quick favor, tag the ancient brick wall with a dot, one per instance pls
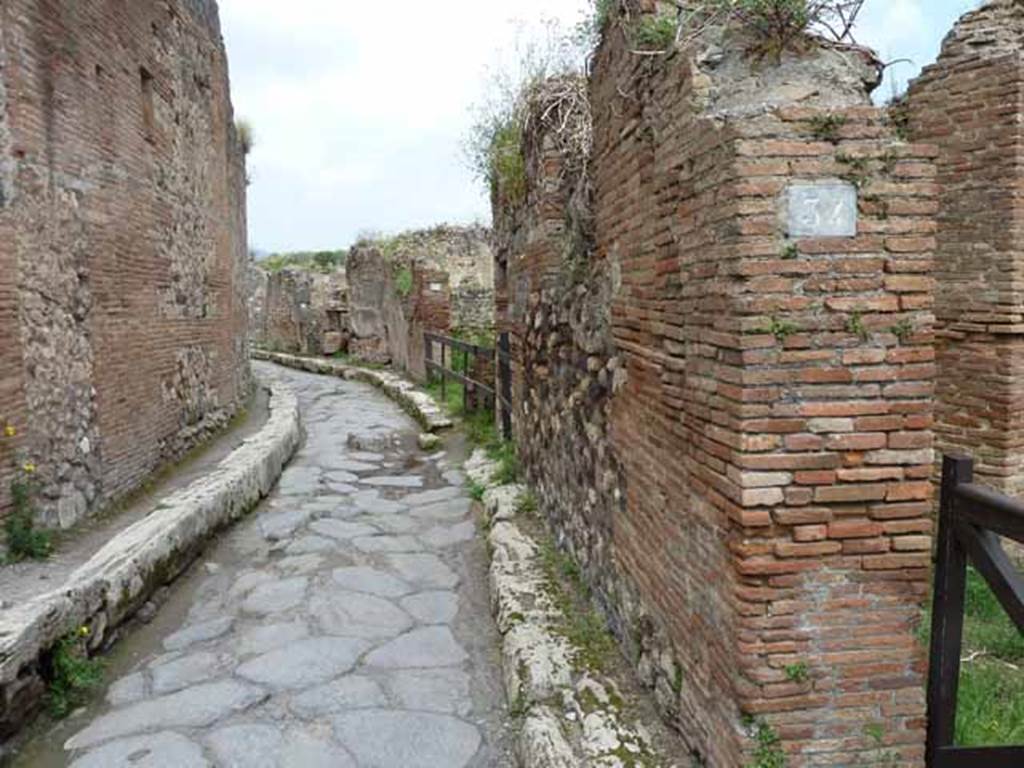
(122, 289)
(440, 280)
(968, 103)
(299, 311)
(731, 427)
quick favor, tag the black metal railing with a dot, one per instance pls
(971, 520)
(458, 363)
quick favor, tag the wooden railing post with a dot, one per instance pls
(505, 385)
(428, 353)
(947, 611)
(444, 366)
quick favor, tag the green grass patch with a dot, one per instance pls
(452, 399)
(990, 705)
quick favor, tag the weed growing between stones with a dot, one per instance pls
(23, 539)
(903, 330)
(477, 490)
(768, 751)
(797, 673)
(72, 674)
(780, 329)
(855, 325)
(580, 623)
(526, 504)
(827, 127)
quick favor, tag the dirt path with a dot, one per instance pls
(346, 623)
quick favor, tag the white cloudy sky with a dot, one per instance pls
(359, 108)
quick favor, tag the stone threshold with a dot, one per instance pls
(570, 716)
(119, 579)
(414, 401)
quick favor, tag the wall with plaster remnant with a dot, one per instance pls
(730, 423)
(122, 242)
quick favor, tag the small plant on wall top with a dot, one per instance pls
(23, 540)
(403, 281)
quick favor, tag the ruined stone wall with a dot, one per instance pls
(968, 103)
(300, 311)
(439, 280)
(731, 426)
(123, 288)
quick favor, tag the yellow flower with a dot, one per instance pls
(29, 467)
(83, 631)
(10, 431)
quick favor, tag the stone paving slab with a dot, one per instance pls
(362, 640)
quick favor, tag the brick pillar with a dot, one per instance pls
(775, 422)
(969, 104)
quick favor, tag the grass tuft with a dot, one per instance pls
(990, 705)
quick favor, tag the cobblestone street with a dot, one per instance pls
(344, 624)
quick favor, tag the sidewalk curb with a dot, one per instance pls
(416, 403)
(570, 715)
(117, 580)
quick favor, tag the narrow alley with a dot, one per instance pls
(345, 623)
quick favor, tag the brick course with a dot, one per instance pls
(123, 256)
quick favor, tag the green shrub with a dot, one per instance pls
(403, 281)
(656, 32)
(22, 538)
(506, 174)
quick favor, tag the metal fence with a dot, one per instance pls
(971, 520)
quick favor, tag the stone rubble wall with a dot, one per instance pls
(439, 280)
(123, 256)
(299, 311)
(731, 428)
(968, 103)
(107, 590)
